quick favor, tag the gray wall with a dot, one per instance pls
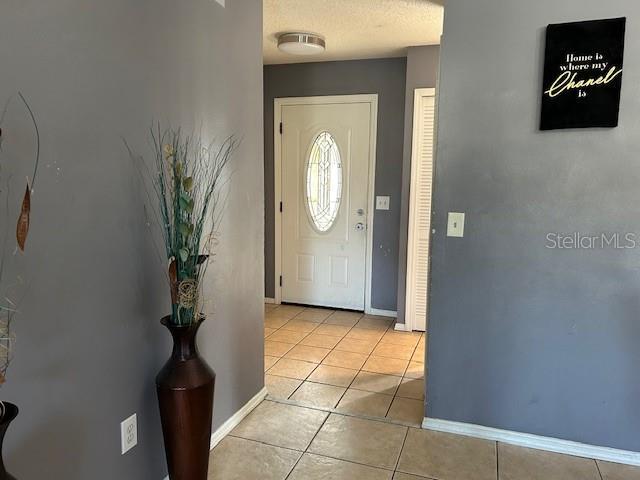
(523, 337)
(422, 72)
(89, 342)
(386, 77)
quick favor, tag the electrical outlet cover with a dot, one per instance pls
(129, 433)
(455, 225)
(383, 202)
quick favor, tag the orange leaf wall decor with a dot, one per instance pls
(22, 229)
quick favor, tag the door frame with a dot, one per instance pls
(278, 103)
(418, 94)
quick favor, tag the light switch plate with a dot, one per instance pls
(129, 433)
(455, 224)
(382, 203)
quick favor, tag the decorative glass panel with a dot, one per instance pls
(324, 182)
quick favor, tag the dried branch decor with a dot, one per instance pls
(9, 299)
(188, 180)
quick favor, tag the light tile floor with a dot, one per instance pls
(344, 362)
(319, 421)
(281, 441)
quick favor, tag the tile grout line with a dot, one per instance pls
(404, 441)
(298, 387)
(261, 442)
(294, 403)
(598, 468)
(307, 447)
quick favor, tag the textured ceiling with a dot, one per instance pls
(353, 28)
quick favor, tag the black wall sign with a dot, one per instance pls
(583, 74)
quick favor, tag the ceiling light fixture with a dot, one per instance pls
(300, 43)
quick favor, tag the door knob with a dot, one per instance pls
(360, 226)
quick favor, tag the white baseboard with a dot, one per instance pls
(270, 300)
(235, 419)
(534, 441)
(401, 327)
(381, 313)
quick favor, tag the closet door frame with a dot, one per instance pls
(418, 125)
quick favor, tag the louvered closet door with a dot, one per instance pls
(420, 209)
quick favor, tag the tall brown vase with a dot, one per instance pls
(11, 412)
(185, 392)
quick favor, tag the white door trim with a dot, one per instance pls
(278, 103)
(538, 442)
(418, 94)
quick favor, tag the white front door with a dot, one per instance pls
(325, 179)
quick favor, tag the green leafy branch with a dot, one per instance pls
(188, 179)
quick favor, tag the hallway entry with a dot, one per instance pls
(344, 362)
(327, 152)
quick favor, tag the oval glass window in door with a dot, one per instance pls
(323, 182)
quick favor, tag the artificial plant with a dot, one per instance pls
(187, 177)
